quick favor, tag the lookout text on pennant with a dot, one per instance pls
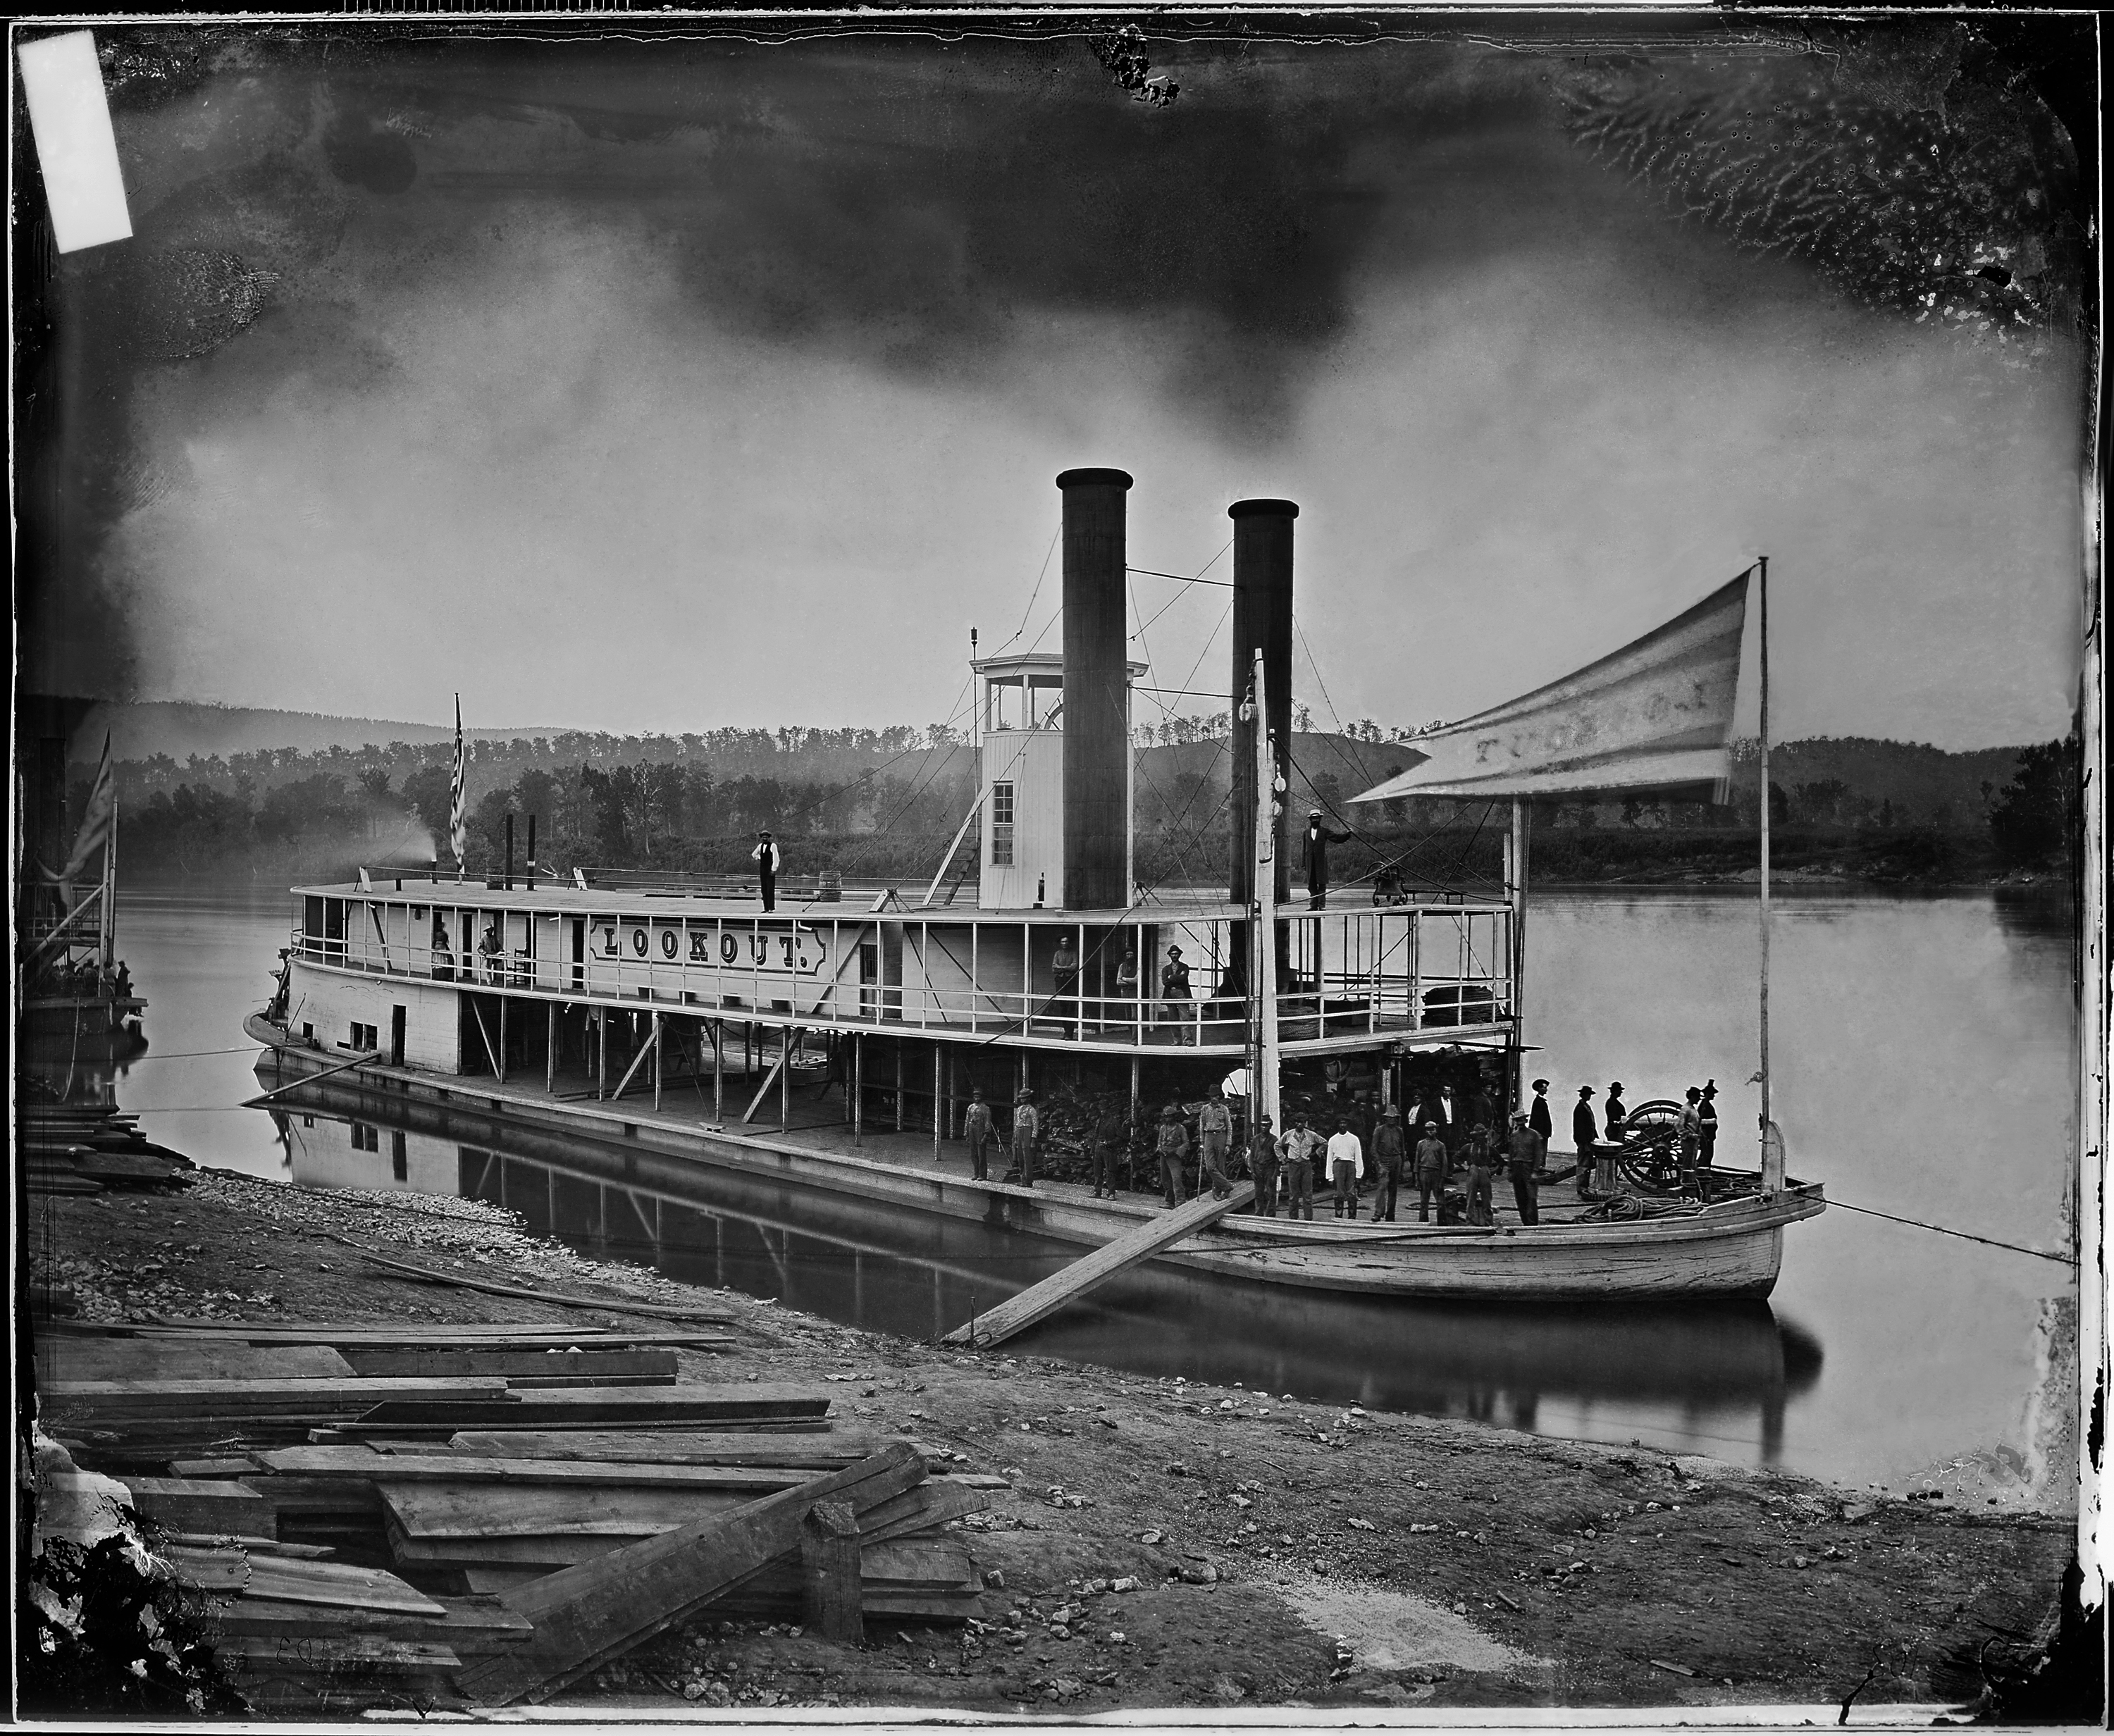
(1654, 714)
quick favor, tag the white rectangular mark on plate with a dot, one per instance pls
(70, 117)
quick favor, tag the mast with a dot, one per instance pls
(1772, 1156)
(107, 961)
(1517, 876)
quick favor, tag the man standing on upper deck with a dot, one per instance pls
(1346, 1167)
(1173, 1147)
(767, 861)
(977, 1130)
(1389, 1151)
(1319, 838)
(1027, 1125)
(1214, 1138)
(1066, 966)
(1174, 986)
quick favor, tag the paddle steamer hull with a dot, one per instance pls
(1729, 1251)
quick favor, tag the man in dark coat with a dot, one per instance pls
(1111, 1133)
(1389, 1151)
(1585, 1135)
(1523, 1154)
(1319, 838)
(1173, 1147)
(1537, 1112)
(1431, 1166)
(1262, 1165)
(767, 859)
(1443, 1109)
(977, 1130)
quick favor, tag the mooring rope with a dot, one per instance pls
(1939, 1229)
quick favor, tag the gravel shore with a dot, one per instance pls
(1167, 1544)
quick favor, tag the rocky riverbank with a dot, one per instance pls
(1165, 1544)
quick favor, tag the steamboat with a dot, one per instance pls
(835, 1045)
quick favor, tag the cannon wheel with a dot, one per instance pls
(1651, 1147)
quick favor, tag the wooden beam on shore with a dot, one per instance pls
(830, 1590)
(468, 1468)
(589, 1407)
(670, 1447)
(1038, 1301)
(610, 1305)
(588, 1614)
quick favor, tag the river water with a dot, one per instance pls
(1923, 1057)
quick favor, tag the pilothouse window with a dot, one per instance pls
(1025, 702)
(1001, 807)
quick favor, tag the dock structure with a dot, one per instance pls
(1040, 1300)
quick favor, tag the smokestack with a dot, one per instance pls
(1262, 621)
(1096, 725)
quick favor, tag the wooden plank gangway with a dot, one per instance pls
(1038, 1301)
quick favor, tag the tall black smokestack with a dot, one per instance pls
(1096, 726)
(1262, 621)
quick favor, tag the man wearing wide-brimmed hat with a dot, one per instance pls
(1298, 1150)
(1389, 1151)
(1027, 1125)
(1586, 1136)
(1173, 1144)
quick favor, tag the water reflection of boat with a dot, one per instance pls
(890, 1269)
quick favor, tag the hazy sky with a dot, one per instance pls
(676, 385)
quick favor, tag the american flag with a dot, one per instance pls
(96, 823)
(456, 838)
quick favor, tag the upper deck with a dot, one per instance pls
(1044, 978)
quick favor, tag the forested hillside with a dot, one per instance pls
(885, 803)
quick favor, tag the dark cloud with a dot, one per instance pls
(913, 205)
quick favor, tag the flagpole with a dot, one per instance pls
(1772, 1150)
(1517, 894)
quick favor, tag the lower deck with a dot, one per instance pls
(804, 1128)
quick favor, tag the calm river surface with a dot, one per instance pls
(1925, 1065)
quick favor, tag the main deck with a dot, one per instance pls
(1437, 971)
(811, 1136)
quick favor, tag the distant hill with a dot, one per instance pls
(1921, 781)
(179, 729)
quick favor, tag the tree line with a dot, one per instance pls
(885, 803)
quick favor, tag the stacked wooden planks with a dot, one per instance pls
(82, 1148)
(426, 1514)
(298, 1633)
